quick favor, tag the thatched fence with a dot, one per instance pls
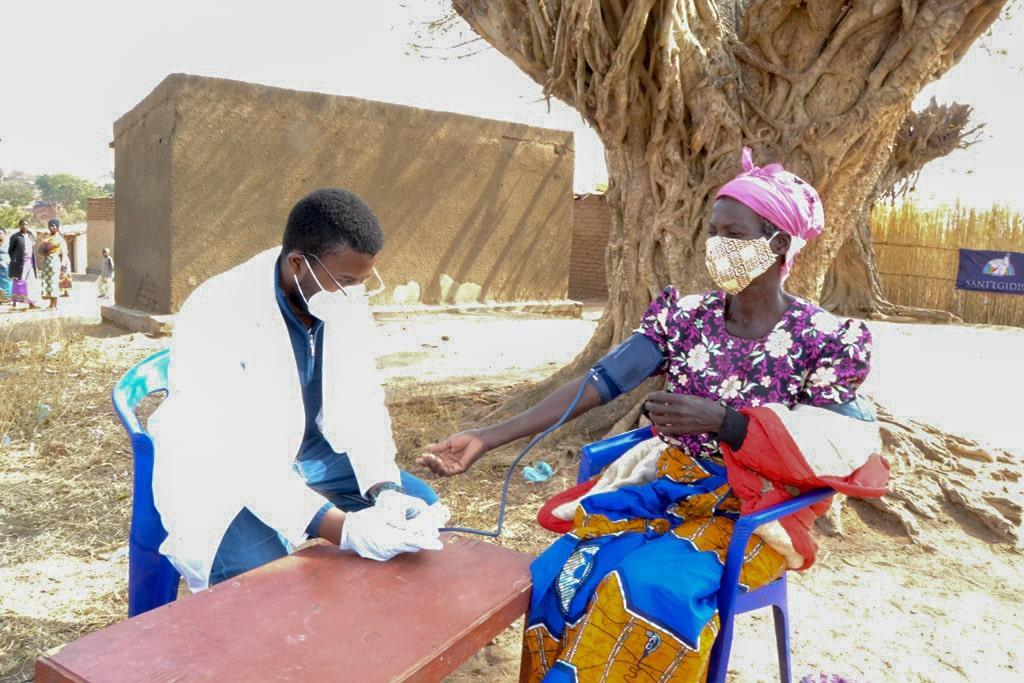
(917, 255)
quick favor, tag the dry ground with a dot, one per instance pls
(876, 607)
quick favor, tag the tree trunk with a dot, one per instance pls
(853, 285)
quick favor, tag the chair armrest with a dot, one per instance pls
(745, 527)
(125, 412)
(756, 519)
(596, 456)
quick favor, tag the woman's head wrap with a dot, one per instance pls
(780, 197)
(53, 223)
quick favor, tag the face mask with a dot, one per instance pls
(734, 264)
(327, 305)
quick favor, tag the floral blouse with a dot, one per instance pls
(809, 357)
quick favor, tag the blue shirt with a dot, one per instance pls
(307, 345)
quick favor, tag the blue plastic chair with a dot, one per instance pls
(152, 580)
(731, 601)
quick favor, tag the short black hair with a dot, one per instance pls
(327, 219)
(22, 222)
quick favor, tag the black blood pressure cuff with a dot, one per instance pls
(627, 366)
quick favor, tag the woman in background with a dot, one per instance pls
(21, 248)
(53, 251)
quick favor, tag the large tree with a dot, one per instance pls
(16, 193)
(676, 89)
(68, 191)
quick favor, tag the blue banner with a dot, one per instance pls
(991, 271)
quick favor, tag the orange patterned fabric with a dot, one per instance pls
(610, 641)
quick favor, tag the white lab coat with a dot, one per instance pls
(227, 434)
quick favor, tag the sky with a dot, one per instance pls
(72, 68)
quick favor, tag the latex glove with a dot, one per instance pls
(427, 525)
(404, 505)
(378, 533)
(433, 517)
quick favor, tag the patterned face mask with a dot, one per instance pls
(734, 264)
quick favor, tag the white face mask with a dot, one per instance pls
(324, 304)
(734, 263)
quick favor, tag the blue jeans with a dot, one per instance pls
(249, 543)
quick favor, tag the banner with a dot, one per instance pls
(991, 271)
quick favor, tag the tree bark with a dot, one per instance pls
(853, 285)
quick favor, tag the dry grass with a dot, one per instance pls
(65, 485)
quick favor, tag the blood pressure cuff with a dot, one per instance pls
(627, 366)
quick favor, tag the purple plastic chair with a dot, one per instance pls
(152, 580)
(731, 601)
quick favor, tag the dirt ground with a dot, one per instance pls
(876, 607)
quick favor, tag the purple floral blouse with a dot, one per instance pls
(809, 357)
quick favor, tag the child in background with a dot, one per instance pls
(106, 274)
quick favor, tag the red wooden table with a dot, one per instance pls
(317, 615)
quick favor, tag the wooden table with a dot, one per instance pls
(317, 615)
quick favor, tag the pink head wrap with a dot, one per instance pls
(782, 198)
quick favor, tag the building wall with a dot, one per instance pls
(142, 176)
(591, 225)
(78, 246)
(207, 170)
(100, 221)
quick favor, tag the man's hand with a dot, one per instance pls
(677, 414)
(404, 505)
(379, 533)
(454, 455)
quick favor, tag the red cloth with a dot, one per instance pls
(770, 460)
(546, 517)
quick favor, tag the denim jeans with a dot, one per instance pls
(249, 543)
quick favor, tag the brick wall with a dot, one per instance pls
(591, 224)
(100, 209)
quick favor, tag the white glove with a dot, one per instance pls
(404, 505)
(380, 533)
(433, 518)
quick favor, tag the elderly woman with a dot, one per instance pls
(629, 593)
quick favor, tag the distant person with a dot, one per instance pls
(275, 428)
(52, 249)
(24, 283)
(5, 262)
(106, 274)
